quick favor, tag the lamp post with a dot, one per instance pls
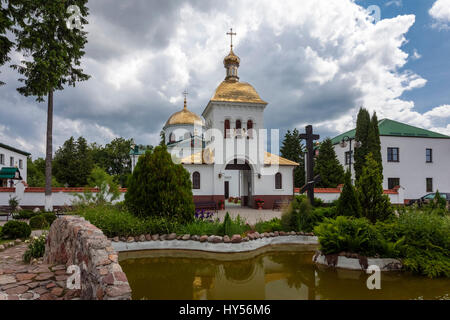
(344, 144)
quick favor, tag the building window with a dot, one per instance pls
(172, 138)
(2, 159)
(196, 181)
(20, 164)
(348, 156)
(238, 128)
(393, 182)
(393, 155)
(278, 181)
(429, 184)
(11, 161)
(250, 129)
(429, 155)
(227, 129)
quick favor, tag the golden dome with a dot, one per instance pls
(185, 117)
(232, 91)
(231, 58)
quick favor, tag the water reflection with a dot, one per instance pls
(271, 275)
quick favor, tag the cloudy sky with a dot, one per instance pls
(314, 61)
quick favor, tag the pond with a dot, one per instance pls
(284, 273)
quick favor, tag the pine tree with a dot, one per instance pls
(54, 53)
(293, 149)
(160, 188)
(6, 23)
(374, 143)
(363, 124)
(348, 203)
(328, 166)
(375, 205)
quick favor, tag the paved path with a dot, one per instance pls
(252, 216)
(20, 281)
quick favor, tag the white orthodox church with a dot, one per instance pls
(224, 150)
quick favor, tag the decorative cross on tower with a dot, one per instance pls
(311, 179)
(231, 34)
(185, 93)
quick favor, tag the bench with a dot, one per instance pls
(206, 205)
(278, 204)
(7, 215)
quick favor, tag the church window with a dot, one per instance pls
(172, 138)
(227, 129)
(196, 181)
(278, 181)
(250, 129)
(238, 124)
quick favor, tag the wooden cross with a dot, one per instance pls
(231, 34)
(311, 179)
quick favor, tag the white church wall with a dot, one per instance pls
(207, 184)
(266, 185)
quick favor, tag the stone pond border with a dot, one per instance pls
(74, 241)
(216, 244)
(350, 261)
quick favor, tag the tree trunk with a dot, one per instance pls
(49, 154)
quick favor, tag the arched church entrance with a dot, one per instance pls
(238, 184)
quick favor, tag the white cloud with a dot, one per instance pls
(397, 3)
(315, 63)
(441, 13)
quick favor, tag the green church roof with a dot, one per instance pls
(396, 129)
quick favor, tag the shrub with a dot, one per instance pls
(231, 227)
(36, 248)
(49, 217)
(200, 227)
(38, 223)
(114, 222)
(160, 188)
(269, 226)
(299, 216)
(23, 215)
(15, 230)
(426, 248)
(348, 203)
(349, 235)
(375, 205)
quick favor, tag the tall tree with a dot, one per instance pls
(54, 55)
(328, 166)
(118, 159)
(6, 23)
(293, 149)
(375, 205)
(374, 142)
(363, 125)
(73, 163)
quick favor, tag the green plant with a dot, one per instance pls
(349, 235)
(13, 203)
(38, 223)
(36, 248)
(23, 215)
(231, 226)
(269, 226)
(348, 203)
(375, 205)
(15, 230)
(160, 188)
(299, 216)
(328, 166)
(49, 217)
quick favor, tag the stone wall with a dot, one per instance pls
(74, 241)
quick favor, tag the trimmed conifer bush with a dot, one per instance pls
(38, 223)
(348, 203)
(376, 206)
(16, 230)
(160, 188)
